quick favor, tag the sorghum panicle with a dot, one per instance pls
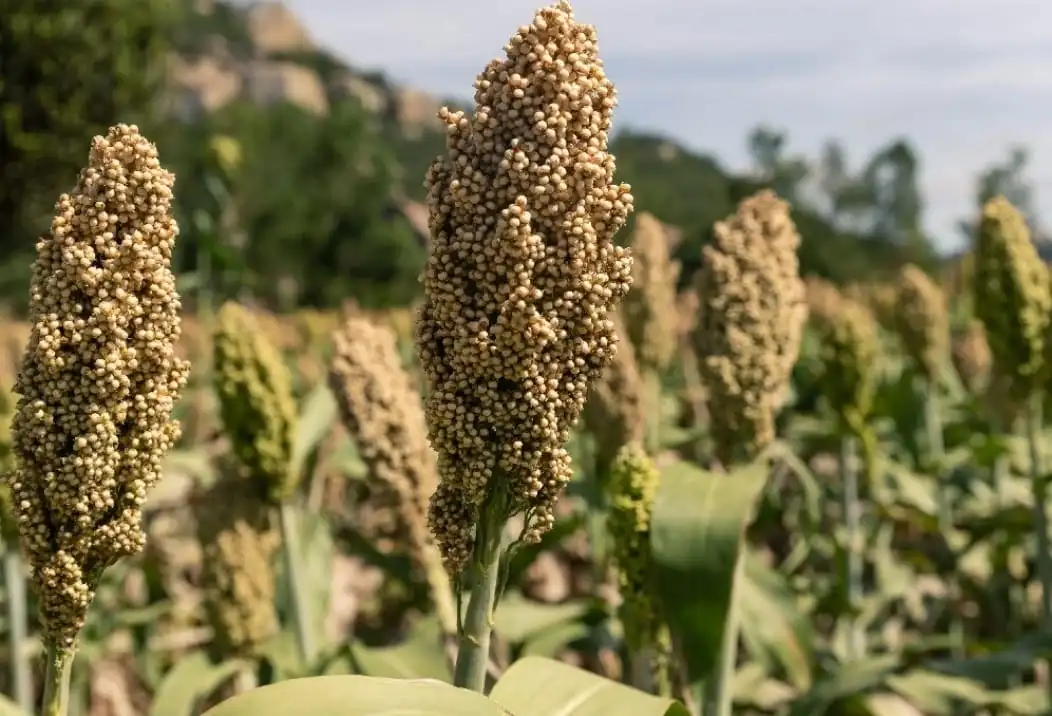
(971, 357)
(614, 413)
(239, 546)
(522, 274)
(382, 411)
(255, 400)
(1012, 296)
(850, 342)
(923, 320)
(650, 307)
(99, 377)
(751, 322)
(634, 483)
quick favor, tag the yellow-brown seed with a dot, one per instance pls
(239, 543)
(614, 413)
(751, 322)
(99, 377)
(256, 403)
(383, 414)
(1012, 296)
(971, 357)
(923, 320)
(522, 274)
(650, 308)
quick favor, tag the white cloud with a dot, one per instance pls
(962, 81)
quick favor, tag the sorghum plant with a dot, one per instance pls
(259, 416)
(382, 411)
(752, 313)
(521, 277)
(96, 385)
(1012, 298)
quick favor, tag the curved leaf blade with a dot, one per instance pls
(696, 537)
(357, 696)
(535, 686)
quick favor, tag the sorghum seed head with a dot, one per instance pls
(650, 307)
(239, 544)
(971, 357)
(99, 377)
(923, 320)
(382, 412)
(751, 322)
(522, 274)
(633, 485)
(1012, 296)
(614, 413)
(849, 346)
(256, 403)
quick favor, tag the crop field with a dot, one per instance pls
(566, 481)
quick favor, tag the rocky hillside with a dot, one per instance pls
(263, 52)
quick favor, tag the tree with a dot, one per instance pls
(68, 70)
(1007, 178)
(783, 174)
(315, 199)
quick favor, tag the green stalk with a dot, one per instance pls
(853, 525)
(15, 581)
(1039, 485)
(56, 681)
(473, 651)
(719, 695)
(295, 581)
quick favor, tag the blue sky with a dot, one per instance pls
(965, 80)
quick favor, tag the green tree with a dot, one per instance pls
(68, 70)
(315, 199)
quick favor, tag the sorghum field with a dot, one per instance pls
(553, 487)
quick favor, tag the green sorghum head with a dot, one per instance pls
(650, 308)
(239, 544)
(256, 402)
(634, 481)
(99, 377)
(750, 325)
(522, 274)
(922, 319)
(1012, 296)
(849, 348)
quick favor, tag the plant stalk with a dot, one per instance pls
(1039, 486)
(15, 581)
(652, 386)
(56, 681)
(853, 525)
(475, 633)
(720, 691)
(294, 577)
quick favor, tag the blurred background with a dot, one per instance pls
(300, 132)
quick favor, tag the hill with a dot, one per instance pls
(264, 54)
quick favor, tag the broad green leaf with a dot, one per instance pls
(544, 687)
(316, 418)
(517, 618)
(421, 656)
(696, 532)
(358, 696)
(192, 679)
(848, 681)
(773, 628)
(938, 694)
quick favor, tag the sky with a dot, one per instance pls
(963, 80)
